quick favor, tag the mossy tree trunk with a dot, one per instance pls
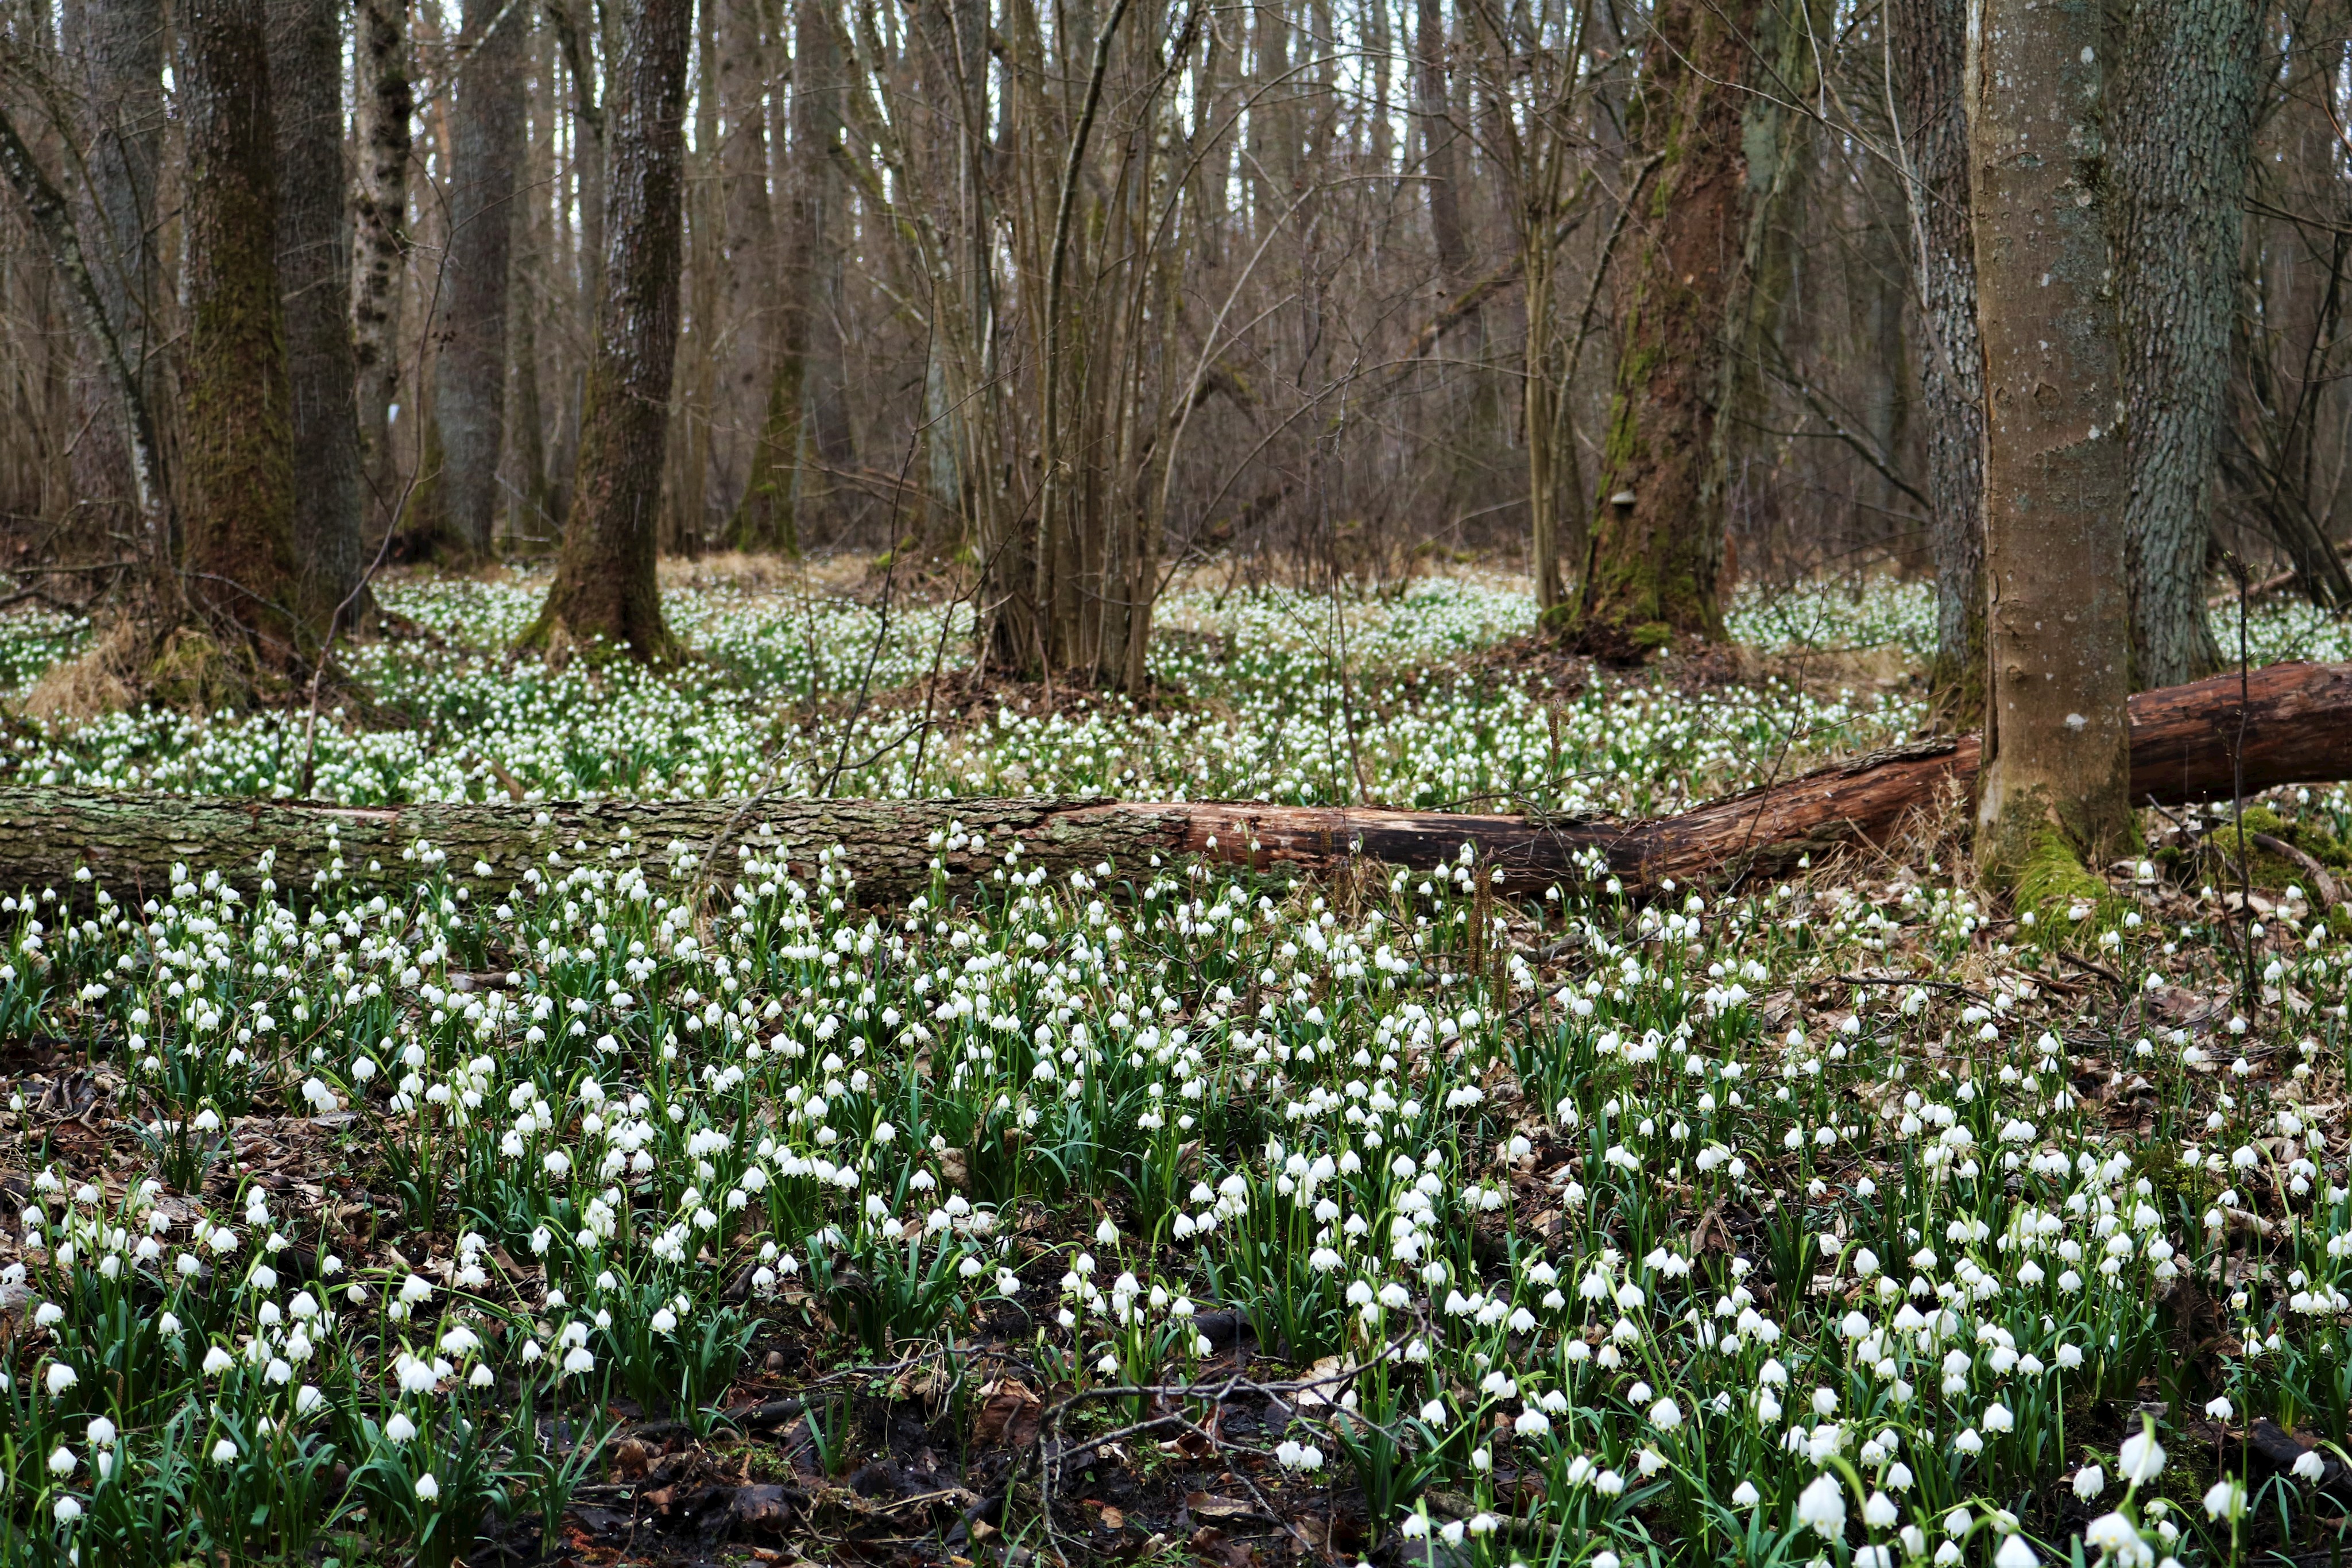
(306, 59)
(604, 581)
(1927, 46)
(2057, 768)
(237, 568)
(1657, 541)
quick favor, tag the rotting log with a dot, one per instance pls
(2294, 726)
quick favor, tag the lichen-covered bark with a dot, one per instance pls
(1651, 561)
(306, 59)
(2297, 720)
(236, 430)
(469, 376)
(604, 585)
(1927, 54)
(2056, 749)
(2182, 128)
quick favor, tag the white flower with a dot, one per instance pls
(1879, 1511)
(427, 1488)
(1665, 1416)
(225, 1452)
(2119, 1539)
(2225, 1500)
(2089, 1482)
(2015, 1554)
(2142, 1459)
(1531, 1423)
(2309, 1467)
(61, 1377)
(2220, 1408)
(1821, 1506)
(62, 1462)
(1745, 1495)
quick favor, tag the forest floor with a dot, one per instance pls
(1166, 1212)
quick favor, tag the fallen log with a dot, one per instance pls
(2189, 743)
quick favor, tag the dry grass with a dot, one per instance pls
(97, 682)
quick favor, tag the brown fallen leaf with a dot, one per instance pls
(1208, 1505)
(1009, 1413)
(1113, 1519)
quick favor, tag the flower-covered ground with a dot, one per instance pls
(1162, 1212)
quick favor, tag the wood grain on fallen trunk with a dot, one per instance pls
(2297, 724)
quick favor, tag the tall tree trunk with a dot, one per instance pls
(1656, 542)
(314, 254)
(469, 379)
(117, 49)
(1928, 44)
(382, 103)
(767, 516)
(2182, 128)
(748, 279)
(1441, 154)
(238, 434)
(2057, 763)
(605, 582)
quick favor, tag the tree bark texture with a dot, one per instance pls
(381, 105)
(2057, 753)
(1927, 45)
(768, 515)
(237, 442)
(2297, 724)
(747, 322)
(117, 46)
(314, 254)
(1652, 558)
(604, 585)
(2182, 130)
(469, 376)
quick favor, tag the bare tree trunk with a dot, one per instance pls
(314, 255)
(2183, 132)
(604, 584)
(2057, 759)
(748, 278)
(382, 103)
(118, 47)
(1927, 55)
(238, 567)
(767, 516)
(469, 383)
(1656, 543)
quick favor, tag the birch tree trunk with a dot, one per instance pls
(2057, 765)
(469, 377)
(604, 584)
(314, 256)
(2183, 123)
(1927, 52)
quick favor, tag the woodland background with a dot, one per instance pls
(1060, 297)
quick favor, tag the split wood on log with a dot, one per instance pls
(2189, 743)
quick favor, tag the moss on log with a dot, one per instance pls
(2295, 725)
